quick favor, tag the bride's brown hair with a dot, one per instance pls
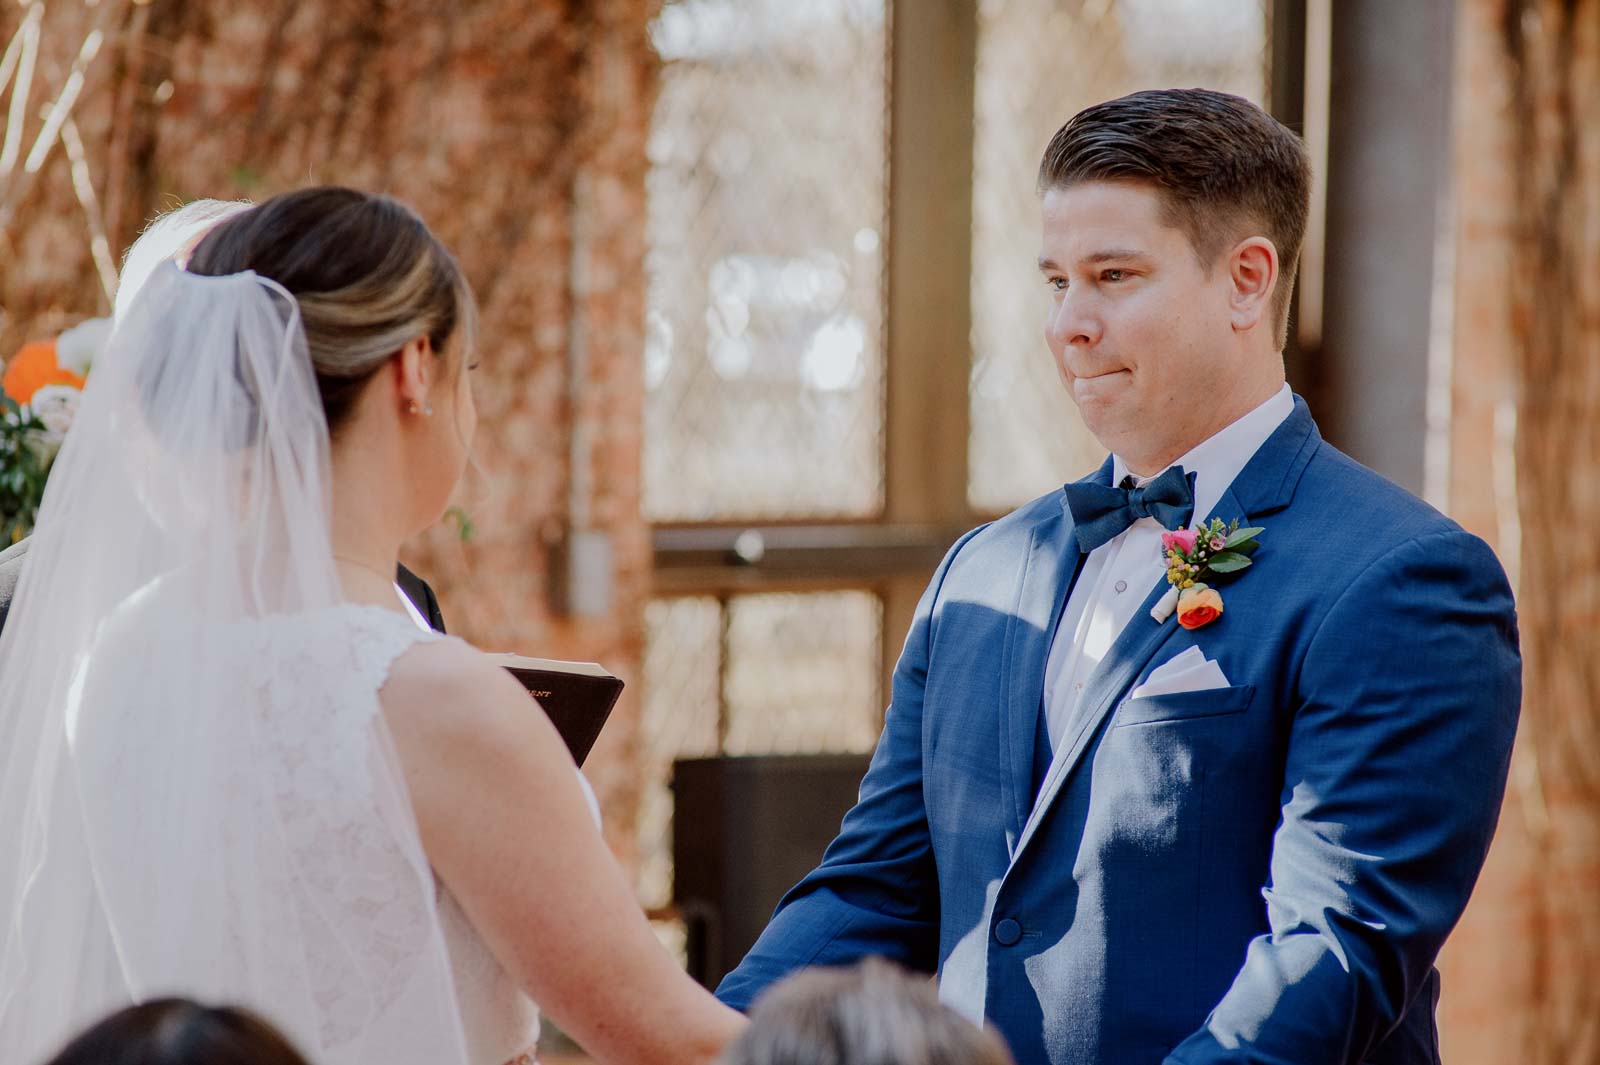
(367, 273)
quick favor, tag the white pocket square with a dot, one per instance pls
(1190, 671)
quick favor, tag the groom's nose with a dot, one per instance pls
(1072, 323)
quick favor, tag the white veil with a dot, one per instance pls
(168, 238)
(185, 806)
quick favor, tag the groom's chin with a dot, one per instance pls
(1106, 409)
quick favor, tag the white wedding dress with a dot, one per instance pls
(198, 792)
(330, 667)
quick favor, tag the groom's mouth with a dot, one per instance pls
(1091, 383)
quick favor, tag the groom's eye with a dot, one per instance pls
(1113, 275)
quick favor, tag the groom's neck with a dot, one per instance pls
(1147, 461)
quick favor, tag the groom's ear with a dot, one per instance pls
(414, 368)
(1253, 275)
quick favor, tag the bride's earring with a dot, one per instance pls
(426, 412)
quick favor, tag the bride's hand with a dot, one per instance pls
(506, 828)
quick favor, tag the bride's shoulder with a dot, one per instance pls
(447, 691)
(442, 665)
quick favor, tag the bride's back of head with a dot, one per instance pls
(367, 273)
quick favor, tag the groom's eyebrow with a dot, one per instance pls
(1109, 254)
(1095, 258)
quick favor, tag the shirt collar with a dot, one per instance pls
(411, 609)
(1217, 460)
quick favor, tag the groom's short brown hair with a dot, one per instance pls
(1224, 167)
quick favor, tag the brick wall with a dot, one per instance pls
(518, 130)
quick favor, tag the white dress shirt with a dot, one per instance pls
(1119, 575)
(411, 608)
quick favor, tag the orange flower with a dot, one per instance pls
(33, 367)
(1199, 606)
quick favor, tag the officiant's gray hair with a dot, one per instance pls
(872, 1014)
(368, 274)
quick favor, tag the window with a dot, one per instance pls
(763, 374)
(1040, 62)
(764, 354)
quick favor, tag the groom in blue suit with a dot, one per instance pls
(1125, 834)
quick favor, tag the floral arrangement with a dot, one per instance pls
(41, 387)
(1192, 556)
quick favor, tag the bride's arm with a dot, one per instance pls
(506, 827)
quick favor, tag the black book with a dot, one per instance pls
(577, 696)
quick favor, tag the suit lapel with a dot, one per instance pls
(1047, 575)
(1265, 486)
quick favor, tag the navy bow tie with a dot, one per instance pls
(1101, 513)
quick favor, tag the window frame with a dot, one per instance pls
(927, 364)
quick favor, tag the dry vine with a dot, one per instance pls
(1554, 47)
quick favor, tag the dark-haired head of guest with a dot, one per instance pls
(870, 1014)
(176, 1031)
(388, 319)
(1172, 225)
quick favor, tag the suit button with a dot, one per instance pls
(1007, 932)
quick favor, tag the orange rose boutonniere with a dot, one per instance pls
(1192, 556)
(1198, 606)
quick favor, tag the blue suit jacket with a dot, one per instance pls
(1261, 873)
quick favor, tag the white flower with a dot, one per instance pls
(79, 346)
(1163, 608)
(55, 406)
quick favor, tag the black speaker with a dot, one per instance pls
(744, 831)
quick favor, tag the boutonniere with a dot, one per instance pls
(1193, 556)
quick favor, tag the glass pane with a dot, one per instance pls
(764, 357)
(803, 673)
(682, 670)
(802, 677)
(1039, 63)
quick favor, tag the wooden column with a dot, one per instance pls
(933, 58)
